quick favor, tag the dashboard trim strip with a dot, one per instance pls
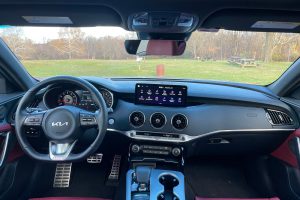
(186, 138)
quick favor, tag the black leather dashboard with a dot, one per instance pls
(211, 109)
(234, 116)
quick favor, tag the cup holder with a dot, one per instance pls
(169, 182)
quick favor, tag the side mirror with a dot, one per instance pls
(155, 47)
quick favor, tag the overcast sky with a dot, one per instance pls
(40, 34)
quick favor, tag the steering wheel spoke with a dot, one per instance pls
(60, 151)
(88, 119)
(33, 119)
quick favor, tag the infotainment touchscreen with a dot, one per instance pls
(156, 94)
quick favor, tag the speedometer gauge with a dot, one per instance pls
(108, 97)
(67, 98)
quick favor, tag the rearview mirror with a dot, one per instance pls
(155, 47)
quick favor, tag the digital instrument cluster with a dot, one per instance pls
(79, 98)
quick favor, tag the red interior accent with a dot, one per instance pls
(17, 151)
(67, 198)
(284, 153)
(203, 198)
(5, 127)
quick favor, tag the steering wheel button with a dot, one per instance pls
(87, 120)
(111, 121)
(31, 119)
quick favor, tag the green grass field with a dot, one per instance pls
(264, 74)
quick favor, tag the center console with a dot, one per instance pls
(156, 168)
(155, 172)
(146, 183)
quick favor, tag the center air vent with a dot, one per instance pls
(158, 120)
(137, 119)
(278, 118)
(179, 121)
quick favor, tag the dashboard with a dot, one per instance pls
(174, 111)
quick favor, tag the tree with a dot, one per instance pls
(14, 38)
(90, 44)
(70, 42)
(268, 46)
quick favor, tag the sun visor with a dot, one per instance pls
(253, 20)
(73, 16)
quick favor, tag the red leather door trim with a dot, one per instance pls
(17, 151)
(284, 153)
(5, 127)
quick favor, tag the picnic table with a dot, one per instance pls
(243, 62)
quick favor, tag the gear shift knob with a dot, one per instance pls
(143, 174)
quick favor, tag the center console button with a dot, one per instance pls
(176, 152)
(135, 148)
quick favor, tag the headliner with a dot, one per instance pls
(227, 14)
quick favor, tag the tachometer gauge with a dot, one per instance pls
(108, 97)
(67, 98)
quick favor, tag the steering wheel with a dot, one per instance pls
(62, 125)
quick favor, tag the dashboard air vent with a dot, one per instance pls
(179, 121)
(278, 118)
(137, 119)
(158, 120)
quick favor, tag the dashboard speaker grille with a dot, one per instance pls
(137, 119)
(158, 120)
(278, 118)
(179, 121)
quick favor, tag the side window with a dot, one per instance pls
(6, 86)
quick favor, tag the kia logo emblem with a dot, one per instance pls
(60, 124)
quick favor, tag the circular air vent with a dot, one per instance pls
(137, 119)
(158, 120)
(179, 121)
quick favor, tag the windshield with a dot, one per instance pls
(237, 56)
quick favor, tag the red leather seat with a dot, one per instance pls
(203, 198)
(68, 198)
